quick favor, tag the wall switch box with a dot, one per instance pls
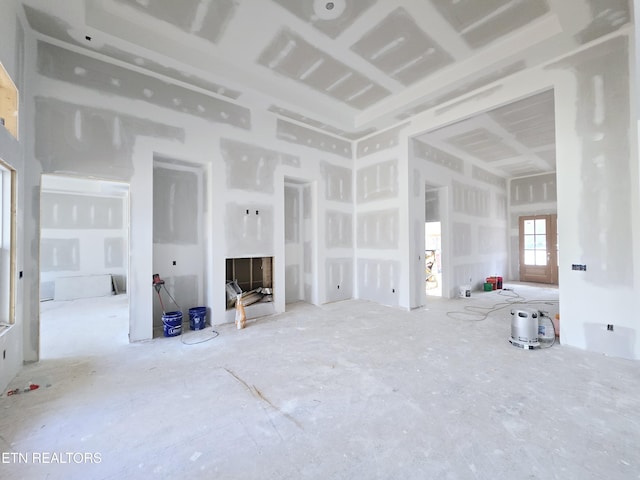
(579, 266)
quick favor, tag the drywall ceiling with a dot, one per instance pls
(514, 140)
(347, 67)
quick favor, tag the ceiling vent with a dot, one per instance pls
(328, 10)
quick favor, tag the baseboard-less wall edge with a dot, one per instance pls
(83, 286)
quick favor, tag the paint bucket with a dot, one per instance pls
(465, 291)
(488, 286)
(197, 318)
(172, 324)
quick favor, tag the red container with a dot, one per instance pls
(496, 282)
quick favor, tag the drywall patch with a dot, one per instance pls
(399, 48)
(295, 58)
(297, 134)
(250, 167)
(59, 254)
(462, 240)
(67, 66)
(338, 229)
(437, 156)
(329, 26)
(482, 144)
(470, 200)
(79, 139)
(534, 189)
(59, 29)
(339, 277)
(114, 252)
(378, 280)
(292, 214)
(381, 141)
(337, 182)
(603, 125)
(480, 23)
(249, 234)
(71, 211)
(607, 16)
(377, 182)
(204, 19)
(488, 177)
(175, 193)
(379, 229)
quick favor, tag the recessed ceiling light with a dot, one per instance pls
(328, 10)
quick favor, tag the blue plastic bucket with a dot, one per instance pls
(197, 318)
(172, 324)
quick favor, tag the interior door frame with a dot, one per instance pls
(548, 273)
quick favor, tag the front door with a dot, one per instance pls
(539, 249)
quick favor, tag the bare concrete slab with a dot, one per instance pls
(346, 390)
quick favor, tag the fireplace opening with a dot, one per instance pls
(251, 278)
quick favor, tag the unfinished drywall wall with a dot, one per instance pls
(597, 215)
(378, 181)
(339, 279)
(179, 255)
(82, 140)
(250, 167)
(83, 232)
(294, 244)
(471, 204)
(62, 64)
(337, 181)
(293, 133)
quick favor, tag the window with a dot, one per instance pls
(535, 242)
(8, 103)
(7, 243)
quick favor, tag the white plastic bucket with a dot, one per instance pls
(465, 291)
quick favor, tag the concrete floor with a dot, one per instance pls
(349, 390)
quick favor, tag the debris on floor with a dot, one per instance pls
(32, 386)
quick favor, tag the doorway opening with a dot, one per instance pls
(433, 258)
(84, 265)
(299, 243)
(435, 211)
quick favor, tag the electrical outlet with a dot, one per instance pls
(4, 354)
(393, 290)
(338, 287)
(610, 327)
(174, 262)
